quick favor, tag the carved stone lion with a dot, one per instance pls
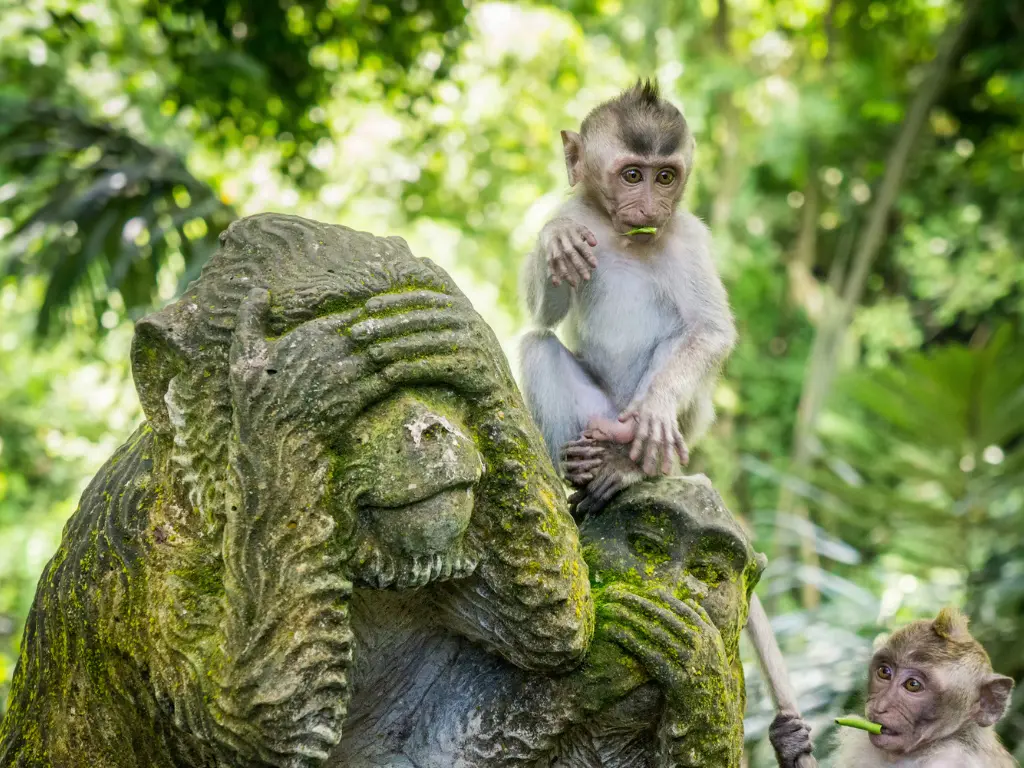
(335, 460)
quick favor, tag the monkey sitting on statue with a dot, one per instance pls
(633, 276)
(932, 689)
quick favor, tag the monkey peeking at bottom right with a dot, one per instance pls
(932, 690)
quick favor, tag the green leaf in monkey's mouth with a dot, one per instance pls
(642, 231)
(861, 723)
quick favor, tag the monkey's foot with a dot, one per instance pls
(615, 473)
(581, 459)
(605, 430)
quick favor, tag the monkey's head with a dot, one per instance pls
(929, 680)
(676, 533)
(633, 155)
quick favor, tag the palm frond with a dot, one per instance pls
(96, 210)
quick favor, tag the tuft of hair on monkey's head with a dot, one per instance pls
(646, 123)
(944, 639)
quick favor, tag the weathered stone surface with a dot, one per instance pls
(337, 509)
(661, 686)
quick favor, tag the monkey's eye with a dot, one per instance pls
(885, 672)
(913, 685)
(666, 176)
(632, 176)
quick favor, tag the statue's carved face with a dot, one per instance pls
(410, 466)
(664, 536)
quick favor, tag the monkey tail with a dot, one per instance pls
(773, 666)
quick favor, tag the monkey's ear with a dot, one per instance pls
(951, 624)
(572, 143)
(995, 699)
(157, 355)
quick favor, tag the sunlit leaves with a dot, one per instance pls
(96, 216)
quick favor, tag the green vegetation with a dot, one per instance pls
(859, 162)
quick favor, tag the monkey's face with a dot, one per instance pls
(919, 699)
(915, 702)
(660, 537)
(635, 190)
(409, 468)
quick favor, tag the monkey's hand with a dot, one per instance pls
(790, 737)
(567, 248)
(657, 435)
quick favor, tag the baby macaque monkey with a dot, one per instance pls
(932, 690)
(632, 275)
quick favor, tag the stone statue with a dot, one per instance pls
(662, 684)
(328, 421)
(337, 540)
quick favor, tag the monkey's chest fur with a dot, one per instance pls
(618, 320)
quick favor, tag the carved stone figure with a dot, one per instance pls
(662, 685)
(337, 540)
(333, 438)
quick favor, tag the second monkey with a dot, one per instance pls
(646, 314)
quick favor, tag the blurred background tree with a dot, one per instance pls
(860, 162)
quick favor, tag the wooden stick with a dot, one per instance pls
(773, 666)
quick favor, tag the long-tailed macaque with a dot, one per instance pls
(645, 313)
(932, 689)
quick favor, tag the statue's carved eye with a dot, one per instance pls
(710, 573)
(647, 547)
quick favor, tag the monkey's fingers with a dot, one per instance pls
(584, 245)
(580, 481)
(578, 268)
(580, 473)
(643, 430)
(588, 236)
(576, 253)
(589, 505)
(680, 447)
(582, 449)
(654, 445)
(668, 448)
(557, 269)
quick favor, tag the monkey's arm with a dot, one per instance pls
(548, 304)
(561, 260)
